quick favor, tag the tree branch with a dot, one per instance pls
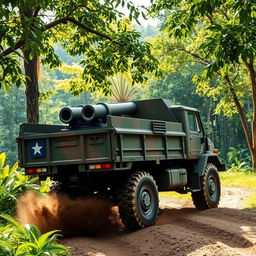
(50, 25)
(36, 11)
(195, 55)
(210, 18)
(10, 50)
(224, 14)
(83, 5)
(74, 21)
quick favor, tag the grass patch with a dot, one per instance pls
(250, 201)
(228, 179)
(238, 179)
(176, 195)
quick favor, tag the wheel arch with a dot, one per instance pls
(208, 158)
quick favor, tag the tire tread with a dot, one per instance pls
(200, 198)
(127, 203)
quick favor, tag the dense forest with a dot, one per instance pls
(177, 86)
(63, 81)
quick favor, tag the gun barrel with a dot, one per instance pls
(70, 115)
(101, 110)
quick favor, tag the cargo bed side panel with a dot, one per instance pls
(66, 149)
(97, 148)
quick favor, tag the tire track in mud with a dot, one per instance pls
(237, 234)
(100, 246)
(218, 234)
(213, 225)
(178, 232)
(244, 215)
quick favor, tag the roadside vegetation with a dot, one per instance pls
(13, 183)
(15, 239)
(250, 201)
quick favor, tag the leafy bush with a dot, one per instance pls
(13, 183)
(239, 160)
(17, 240)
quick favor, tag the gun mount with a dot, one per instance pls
(157, 109)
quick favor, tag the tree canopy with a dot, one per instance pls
(96, 30)
(221, 36)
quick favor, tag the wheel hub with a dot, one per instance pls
(146, 200)
(212, 186)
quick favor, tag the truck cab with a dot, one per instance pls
(192, 125)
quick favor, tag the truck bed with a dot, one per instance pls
(122, 139)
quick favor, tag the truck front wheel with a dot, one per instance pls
(138, 201)
(209, 196)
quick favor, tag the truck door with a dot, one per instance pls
(195, 134)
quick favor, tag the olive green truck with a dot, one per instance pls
(128, 151)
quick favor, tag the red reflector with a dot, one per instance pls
(106, 166)
(31, 170)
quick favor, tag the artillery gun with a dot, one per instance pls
(129, 151)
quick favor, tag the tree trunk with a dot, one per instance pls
(251, 70)
(32, 90)
(250, 136)
(30, 67)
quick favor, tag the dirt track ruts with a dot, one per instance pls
(181, 230)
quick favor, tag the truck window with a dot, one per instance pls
(193, 122)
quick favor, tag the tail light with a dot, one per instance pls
(36, 170)
(99, 166)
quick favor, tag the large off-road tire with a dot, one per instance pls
(209, 196)
(138, 201)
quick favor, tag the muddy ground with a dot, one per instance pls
(180, 230)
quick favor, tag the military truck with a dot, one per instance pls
(128, 151)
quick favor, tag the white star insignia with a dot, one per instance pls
(37, 149)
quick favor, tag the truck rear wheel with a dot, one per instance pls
(209, 196)
(138, 201)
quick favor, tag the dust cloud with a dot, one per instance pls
(72, 216)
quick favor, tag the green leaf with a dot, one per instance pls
(43, 239)
(4, 171)
(2, 159)
(14, 168)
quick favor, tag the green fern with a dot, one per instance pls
(17, 240)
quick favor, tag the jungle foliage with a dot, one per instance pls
(96, 30)
(179, 61)
(220, 36)
(17, 240)
(13, 183)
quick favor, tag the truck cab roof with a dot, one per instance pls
(181, 107)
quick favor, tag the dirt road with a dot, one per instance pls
(181, 230)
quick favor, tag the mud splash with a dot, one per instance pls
(71, 216)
